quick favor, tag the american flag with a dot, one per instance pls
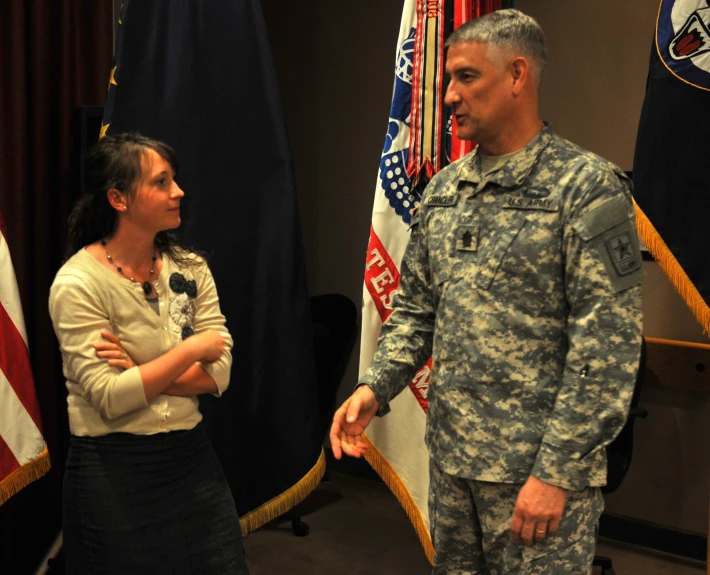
(23, 451)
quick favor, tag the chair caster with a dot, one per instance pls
(605, 564)
(300, 528)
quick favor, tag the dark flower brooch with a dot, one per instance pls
(180, 285)
(182, 306)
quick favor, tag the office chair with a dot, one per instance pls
(619, 452)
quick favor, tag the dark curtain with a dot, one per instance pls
(199, 75)
(54, 57)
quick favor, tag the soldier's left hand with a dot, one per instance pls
(538, 511)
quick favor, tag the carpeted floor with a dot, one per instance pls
(357, 527)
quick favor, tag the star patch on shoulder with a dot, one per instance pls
(622, 253)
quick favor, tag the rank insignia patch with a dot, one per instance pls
(467, 238)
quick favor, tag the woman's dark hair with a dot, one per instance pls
(115, 161)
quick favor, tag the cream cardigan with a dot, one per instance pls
(87, 298)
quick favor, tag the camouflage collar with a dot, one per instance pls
(516, 171)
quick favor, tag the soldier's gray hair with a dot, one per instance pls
(507, 29)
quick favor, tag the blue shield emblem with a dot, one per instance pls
(393, 164)
(683, 40)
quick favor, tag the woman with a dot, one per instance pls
(141, 334)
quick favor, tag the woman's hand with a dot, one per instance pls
(112, 351)
(210, 345)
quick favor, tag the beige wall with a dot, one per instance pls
(335, 66)
(596, 77)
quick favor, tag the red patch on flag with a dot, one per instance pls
(381, 276)
(420, 385)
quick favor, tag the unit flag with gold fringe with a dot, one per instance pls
(420, 141)
(670, 184)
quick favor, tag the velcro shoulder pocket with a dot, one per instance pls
(612, 233)
(609, 213)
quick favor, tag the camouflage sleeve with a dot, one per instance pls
(405, 341)
(603, 274)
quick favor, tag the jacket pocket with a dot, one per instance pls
(498, 247)
(521, 267)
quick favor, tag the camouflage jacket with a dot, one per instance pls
(525, 285)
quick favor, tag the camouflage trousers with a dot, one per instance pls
(470, 529)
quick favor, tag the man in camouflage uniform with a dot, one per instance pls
(522, 277)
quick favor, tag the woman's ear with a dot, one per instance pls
(117, 200)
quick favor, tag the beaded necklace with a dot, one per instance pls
(147, 287)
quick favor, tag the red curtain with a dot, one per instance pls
(481, 7)
(54, 57)
(465, 10)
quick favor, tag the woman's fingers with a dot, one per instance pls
(124, 363)
(110, 337)
(112, 351)
(112, 354)
(105, 345)
(107, 350)
(108, 346)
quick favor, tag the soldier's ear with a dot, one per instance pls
(520, 73)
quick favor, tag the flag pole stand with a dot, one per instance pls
(51, 554)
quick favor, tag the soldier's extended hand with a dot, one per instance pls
(350, 421)
(538, 511)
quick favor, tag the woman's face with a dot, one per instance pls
(155, 205)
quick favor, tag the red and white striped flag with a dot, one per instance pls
(23, 451)
(419, 142)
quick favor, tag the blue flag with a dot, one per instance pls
(673, 142)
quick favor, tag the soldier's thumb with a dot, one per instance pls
(353, 409)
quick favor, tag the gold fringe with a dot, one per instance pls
(670, 266)
(397, 486)
(287, 500)
(22, 477)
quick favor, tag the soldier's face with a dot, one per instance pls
(478, 92)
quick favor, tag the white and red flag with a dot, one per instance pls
(23, 451)
(419, 143)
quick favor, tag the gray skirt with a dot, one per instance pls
(155, 504)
